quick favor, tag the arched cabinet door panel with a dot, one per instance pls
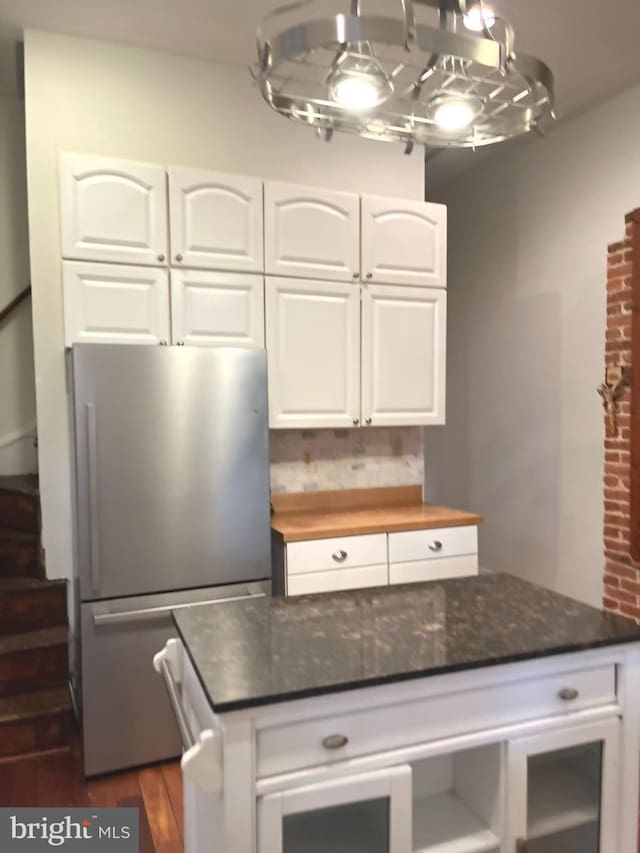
(311, 232)
(113, 210)
(216, 220)
(404, 242)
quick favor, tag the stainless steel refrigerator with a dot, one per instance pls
(172, 491)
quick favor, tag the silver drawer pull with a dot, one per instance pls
(568, 694)
(340, 556)
(436, 545)
(335, 741)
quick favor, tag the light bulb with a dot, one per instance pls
(478, 17)
(454, 114)
(357, 93)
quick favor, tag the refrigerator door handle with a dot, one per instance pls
(92, 453)
(160, 612)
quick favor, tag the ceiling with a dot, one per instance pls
(591, 45)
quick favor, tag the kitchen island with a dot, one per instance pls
(467, 715)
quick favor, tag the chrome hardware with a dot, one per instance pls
(369, 421)
(180, 343)
(161, 258)
(92, 454)
(163, 344)
(178, 258)
(339, 556)
(335, 741)
(436, 545)
(369, 275)
(568, 694)
(356, 274)
(163, 612)
(356, 421)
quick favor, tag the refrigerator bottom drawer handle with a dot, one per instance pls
(161, 612)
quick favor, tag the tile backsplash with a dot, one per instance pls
(319, 460)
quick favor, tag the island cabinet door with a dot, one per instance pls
(368, 813)
(563, 791)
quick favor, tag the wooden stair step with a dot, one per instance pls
(27, 604)
(34, 660)
(19, 503)
(19, 554)
(33, 722)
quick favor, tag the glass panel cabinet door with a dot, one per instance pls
(369, 813)
(562, 790)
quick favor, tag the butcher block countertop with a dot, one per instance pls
(322, 515)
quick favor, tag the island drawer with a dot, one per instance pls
(308, 743)
(412, 545)
(341, 552)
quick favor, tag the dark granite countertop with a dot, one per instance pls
(261, 651)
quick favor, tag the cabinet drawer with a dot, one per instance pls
(337, 579)
(341, 553)
(298, 745)
(432, 544)
(433, 570)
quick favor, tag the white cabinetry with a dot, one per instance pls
(377, 559)
(114, 303)
(216, 220)
(311, 232)
(403, 355)
(313, 341)
(113, 210)
(404, 242)
(217, 309)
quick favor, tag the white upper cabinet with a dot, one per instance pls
(115, 304)
(313, 341)
(403, 355)
(113, 210)
(311, 232)
(217, 309)
(404, 242)
(216, 220)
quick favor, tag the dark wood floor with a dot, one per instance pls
(55, 779)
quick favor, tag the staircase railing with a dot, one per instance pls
(14, 303)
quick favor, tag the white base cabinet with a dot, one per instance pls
(376, 559)
(366, 771)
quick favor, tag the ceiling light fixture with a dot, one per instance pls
(391, 77)
(478, 17)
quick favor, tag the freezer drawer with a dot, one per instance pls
(126, 716)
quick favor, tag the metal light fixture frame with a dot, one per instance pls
(517, 90)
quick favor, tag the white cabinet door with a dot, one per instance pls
(404, 242)
(563, 789)
(115, 304)
(311, 232)
(217, 309)
(216, 220)
(369, 813)
(403, 355)
(113, 210)
(313, 346)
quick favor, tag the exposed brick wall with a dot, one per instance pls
(622, 573)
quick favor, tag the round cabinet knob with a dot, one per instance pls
(369, 421)
(335, 741)
(436, 545)
(568, 694)
(339, 556)
(163, 343)
(180, 343)
(369, 275)
(356, 274)
(178, 258)
(161, 258)
(356, 421)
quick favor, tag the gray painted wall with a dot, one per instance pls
(523, 444)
